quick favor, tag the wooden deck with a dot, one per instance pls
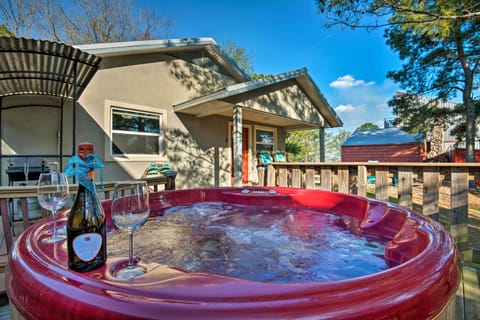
(467, 304)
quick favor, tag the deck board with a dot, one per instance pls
(471, 293)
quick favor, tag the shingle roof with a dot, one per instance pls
(381, 137)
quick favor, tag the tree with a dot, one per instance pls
(307, 145)
(367, 126)
(438, 41)
(239, 55)
(333, 145)
(83, 21)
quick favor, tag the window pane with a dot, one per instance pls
(264, 147)
(264, 137)
(135, 144)
(264, 140)
(135, 121)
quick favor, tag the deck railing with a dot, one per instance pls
(8, 195)
(424, 187)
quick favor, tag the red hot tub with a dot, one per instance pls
(419, 282)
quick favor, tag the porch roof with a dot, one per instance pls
(39, 67)
(222, 102)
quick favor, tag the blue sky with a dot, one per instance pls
(349, 66)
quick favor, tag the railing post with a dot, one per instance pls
(282, 177)
(362, 181)
(310, 178)
(326, 178)
(270, 175)
(296, 177)
(405, 186)
(431, 180)
(261, 176)
(459, 209)
(343, 179)
(381, 183)
(7, 232)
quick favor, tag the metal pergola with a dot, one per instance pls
(31, 67)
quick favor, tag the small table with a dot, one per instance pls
(17, 174)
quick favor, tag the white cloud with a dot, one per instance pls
(344, 108)
(348, 81)
(362, 104)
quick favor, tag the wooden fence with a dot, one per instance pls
(420, 186)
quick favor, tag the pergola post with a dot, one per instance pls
(237, 145)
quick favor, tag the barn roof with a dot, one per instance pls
(381, 137)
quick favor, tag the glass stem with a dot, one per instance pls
(54, 217)
(130, 247)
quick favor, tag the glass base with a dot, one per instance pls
(62, 232)
(53, 239)
(130, 272)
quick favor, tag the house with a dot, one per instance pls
(442, 144)
(180, 101)
(383, 145)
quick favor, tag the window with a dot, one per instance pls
(264, 140)
(135, 132)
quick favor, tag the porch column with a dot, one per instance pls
(237, 146)
(321, 141)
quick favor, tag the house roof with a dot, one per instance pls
(233, 94)
(222, 101)
(40, 67)
(167, 46)
(381, 137)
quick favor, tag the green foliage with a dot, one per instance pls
(438, 41)
(333, 145)
(5, 32)
(306, 144)
(239, 55)
(293, 148)
(261, 76)
(367, 126)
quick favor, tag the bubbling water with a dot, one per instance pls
(266, 244)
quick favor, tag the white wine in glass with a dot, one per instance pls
(130, 211)
(52, 194)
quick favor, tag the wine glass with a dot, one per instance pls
(130, 211)
(52, 194)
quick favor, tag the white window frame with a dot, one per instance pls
(110, 105)
(268, 129)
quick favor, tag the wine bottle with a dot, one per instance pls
(86, 231)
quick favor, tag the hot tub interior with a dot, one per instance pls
(270, 236)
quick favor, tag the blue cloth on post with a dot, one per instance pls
(80, 168)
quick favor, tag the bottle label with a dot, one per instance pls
(86, 246)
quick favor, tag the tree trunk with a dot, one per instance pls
(468, 103)
(470, 130)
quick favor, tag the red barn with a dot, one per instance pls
(383, 145)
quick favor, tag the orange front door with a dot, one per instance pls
(245, 134)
